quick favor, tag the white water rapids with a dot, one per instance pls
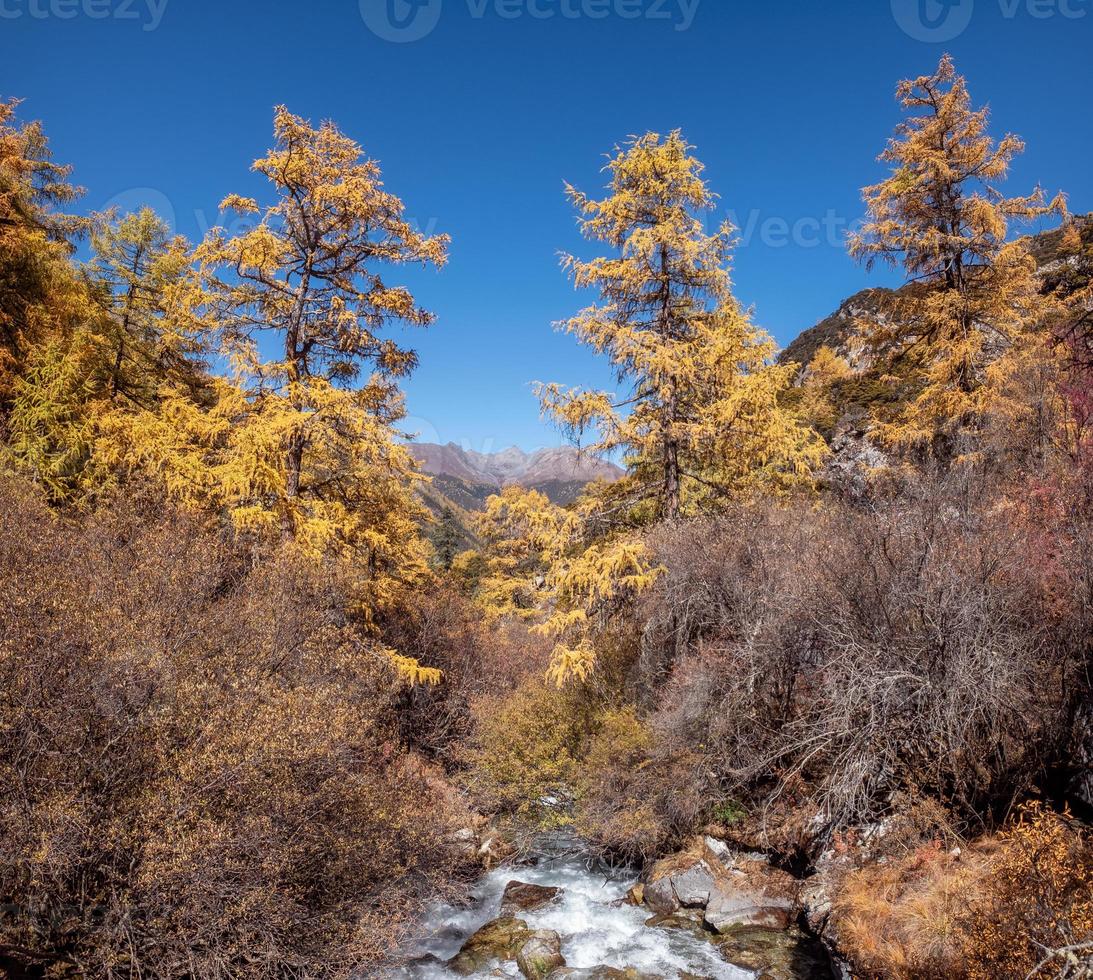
(595, 927)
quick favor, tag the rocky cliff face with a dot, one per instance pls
(837, 329)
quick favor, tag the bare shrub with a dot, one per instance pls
(860, 652)
(635, 799)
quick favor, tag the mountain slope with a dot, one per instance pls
(559, 465)
(469, 477)
(837, 329)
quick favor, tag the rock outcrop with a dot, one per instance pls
(498, 941)
(541, 955)
(733, 889)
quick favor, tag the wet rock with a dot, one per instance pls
(747, 905)
(660, 896)
(499, 940)
(752, 893)
(694, 886)
(426, 959)
(541, 955)
(603, 973)
(776, 954)
(636, 895)
(685, 921)
(522, 897)
(684, 881)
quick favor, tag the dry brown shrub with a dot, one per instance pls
(637, 800)
(198, 771)
(863, 651)
(1017, 905)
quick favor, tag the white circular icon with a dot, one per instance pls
(401, 21)
(935, 21)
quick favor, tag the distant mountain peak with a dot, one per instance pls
(562, 465)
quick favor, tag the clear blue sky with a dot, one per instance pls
(477, 123)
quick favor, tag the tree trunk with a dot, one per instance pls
(294, 453)
(671, 462)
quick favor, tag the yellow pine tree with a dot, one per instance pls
(547, 565)
(814, 395)
(966, 317)
(700, 419)
(74, 402)
(302, 447)
(522, 535)
(40, 297)
(137, 264)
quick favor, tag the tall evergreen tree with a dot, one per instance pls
(700, 417)
(312, 454)
(974, 300)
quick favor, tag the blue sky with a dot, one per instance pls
(478, 121)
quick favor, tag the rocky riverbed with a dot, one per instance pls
(706, 915)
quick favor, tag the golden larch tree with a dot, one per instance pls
(76, 397)
(699, 418)
(973, 298)
(310, 450)
(40, 298)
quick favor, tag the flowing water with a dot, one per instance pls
(596, 928)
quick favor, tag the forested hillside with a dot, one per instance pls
(814, 660)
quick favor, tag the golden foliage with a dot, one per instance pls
(815, 402)
(975, 302)
(701, 420)
(1035, 915)
(40, 297)
(526, 749)
(541, 567)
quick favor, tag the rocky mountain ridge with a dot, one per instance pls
(559, 465)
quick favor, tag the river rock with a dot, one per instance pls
(521, 897)
(750, 903)
(684, 920)
(776, 954)
(502, 939)
(685, 881)
(601, 973)
(541, 955)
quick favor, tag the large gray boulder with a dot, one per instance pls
(685, 881)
